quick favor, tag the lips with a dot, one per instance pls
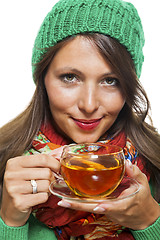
(87, 125)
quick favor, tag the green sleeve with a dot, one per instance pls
(13, 233)
(153, 231)
(150, 233)
(32, 230)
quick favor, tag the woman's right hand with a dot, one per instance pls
(17, 197)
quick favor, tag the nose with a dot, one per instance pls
(88, 100)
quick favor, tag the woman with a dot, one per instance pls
(87, 59)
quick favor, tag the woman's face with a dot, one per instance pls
(83, 91)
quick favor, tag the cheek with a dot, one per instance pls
(59, 99)
(115, 103)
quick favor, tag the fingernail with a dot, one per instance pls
(130, 163)
(64, 204)
(98, 209)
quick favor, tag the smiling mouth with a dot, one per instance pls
(87, 125)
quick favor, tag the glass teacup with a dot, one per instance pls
(92, 170)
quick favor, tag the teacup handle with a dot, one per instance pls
(58, 176)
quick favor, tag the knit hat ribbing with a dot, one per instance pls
(115, 18)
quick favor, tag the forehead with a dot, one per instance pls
(81, 52)
(78, 45)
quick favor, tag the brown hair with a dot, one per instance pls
(16, 136)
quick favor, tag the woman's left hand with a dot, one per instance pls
(137, 212)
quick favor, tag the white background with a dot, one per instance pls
(19, 24)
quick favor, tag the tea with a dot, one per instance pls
(88, 178)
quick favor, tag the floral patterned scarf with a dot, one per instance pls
(69, 224)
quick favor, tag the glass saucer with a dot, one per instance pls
(127, 188)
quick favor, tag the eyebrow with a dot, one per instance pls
(68, 69)
(74, 70)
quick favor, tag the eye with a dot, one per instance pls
(110, 81)
(68, 78)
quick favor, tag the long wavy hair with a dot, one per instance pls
(17, 135)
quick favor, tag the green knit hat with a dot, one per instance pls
(115, 18)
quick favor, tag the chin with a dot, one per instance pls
(85, 139)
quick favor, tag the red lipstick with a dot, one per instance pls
(87, 125)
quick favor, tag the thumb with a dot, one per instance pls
(57, 152)
(134, 172)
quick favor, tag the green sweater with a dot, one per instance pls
(34, 230)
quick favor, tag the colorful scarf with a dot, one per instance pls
(70, 224)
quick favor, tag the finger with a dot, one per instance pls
(33, 161)
(24, 202)
(25, 187)
(134, 172)
(87, 207)
(101, 208)
(28, 174)
(57, 152)
(42, 186)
